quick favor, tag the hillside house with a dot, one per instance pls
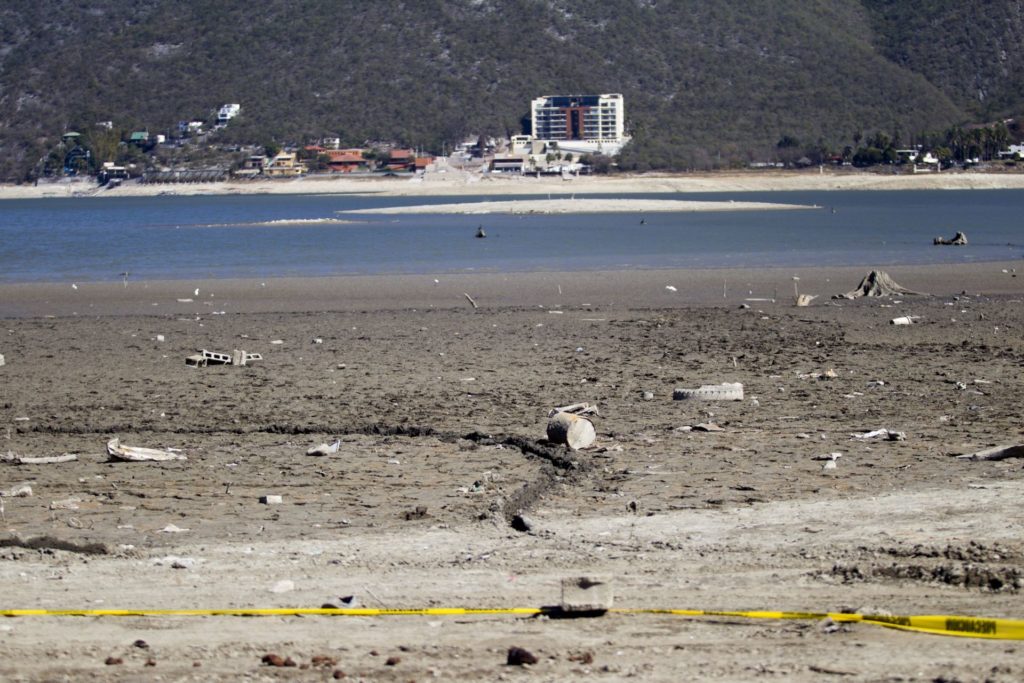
(284, 165)
(228, 112)
(401, 160)
(346, 160)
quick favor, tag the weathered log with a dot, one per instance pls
(995, 453)
(41, 460)
(572, 430)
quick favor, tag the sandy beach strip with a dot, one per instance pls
(576, 291)
(454, 182)
(573, 205)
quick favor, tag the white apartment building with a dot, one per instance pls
(582, 124)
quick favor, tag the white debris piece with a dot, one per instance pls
(726, 391)
(889, 434)
(20, 491)
(324, 448)
(135, 454)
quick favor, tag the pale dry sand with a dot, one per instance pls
(455, 182)
(583, 205)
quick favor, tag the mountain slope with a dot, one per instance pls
(703, 80)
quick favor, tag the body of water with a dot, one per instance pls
(91, 239)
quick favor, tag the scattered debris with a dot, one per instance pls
(877, 283)
(419, 512)
(318, 340)
(480, 234)
(172, 529)
(726, 391)
(995, 453)
(905, 320)
(570, 429)
(583, 408)
(344, 602)
(283, 586)
(585, 657)
(271, 500)
(66, 504)
(671, 288)
(805, 299)
(889, 434)
(271, 659)
(135, 454)
(2, 361)
(236, 357)
(175, 562)
(325, 449)
(20, 491)
(707, 427)
(586, 595)
(830, 461)
(470, 299)
(14, 459)
(958, 240)
(522, 523)
(517, 656)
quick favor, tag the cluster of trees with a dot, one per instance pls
(955, 145)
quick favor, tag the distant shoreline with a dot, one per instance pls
(460, 183)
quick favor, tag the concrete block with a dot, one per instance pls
(586, 594)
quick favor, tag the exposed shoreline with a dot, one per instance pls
(596, 290)
(459, 183)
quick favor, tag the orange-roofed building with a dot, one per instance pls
(346, 160)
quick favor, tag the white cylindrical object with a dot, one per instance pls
(574, 431)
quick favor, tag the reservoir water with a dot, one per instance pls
(263, 236)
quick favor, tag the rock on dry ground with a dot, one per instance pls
(441, 418)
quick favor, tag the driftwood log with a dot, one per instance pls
(995, 453)
(41, 460)
(572, 430)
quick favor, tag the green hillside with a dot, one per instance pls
(706, 82)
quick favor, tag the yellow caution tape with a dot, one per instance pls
(961, 626)
(940, 624)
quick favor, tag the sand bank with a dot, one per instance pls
(582, 205)
(455, 182)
